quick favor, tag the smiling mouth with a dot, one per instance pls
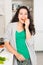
(23, 20)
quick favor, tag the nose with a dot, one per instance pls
(23, 16)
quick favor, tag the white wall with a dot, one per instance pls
(2, 19)
(8, 11)
(5, 15)
(2, 26)
(38, 20)
(1, 7)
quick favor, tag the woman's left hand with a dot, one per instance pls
(27, 22)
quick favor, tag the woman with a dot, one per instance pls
(19, 39)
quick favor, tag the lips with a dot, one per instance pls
(24, 20)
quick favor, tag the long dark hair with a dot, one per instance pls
(15, 19)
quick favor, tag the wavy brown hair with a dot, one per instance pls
(15, 19)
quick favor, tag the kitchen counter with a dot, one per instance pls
(9, 57)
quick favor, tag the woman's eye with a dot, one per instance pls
(20, 13)
(25, 13)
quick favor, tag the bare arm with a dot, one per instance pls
(28, 34)
(14, 52)
(10, 48)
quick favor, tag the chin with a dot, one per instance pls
(23, 23)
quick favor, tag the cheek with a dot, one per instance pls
(26, 16)
(19, 17)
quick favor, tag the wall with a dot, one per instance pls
(2, 26)
(38, 20)
(2, 18)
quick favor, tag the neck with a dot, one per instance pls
(20, 26)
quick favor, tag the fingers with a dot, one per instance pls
(21, 58)
(27, 21)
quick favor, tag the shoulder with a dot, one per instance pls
(12, 24)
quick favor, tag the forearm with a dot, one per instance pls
(10, 48)
(28, 34)
(14, 52)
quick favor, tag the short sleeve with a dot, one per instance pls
(7, 34)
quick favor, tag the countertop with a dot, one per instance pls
(8, 56)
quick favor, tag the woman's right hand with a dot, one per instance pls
(20, 57)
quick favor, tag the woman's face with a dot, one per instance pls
(23, 15)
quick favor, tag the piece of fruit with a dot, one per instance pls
(2, 58)
(1, 62)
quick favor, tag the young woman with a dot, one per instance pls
(19, 39)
